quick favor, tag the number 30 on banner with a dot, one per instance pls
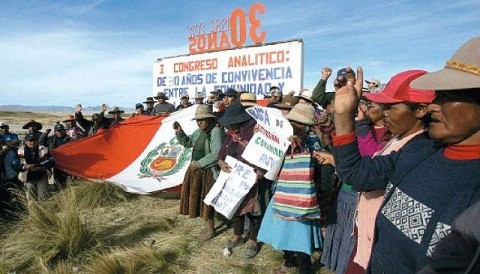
(238, 15)
(220, 40)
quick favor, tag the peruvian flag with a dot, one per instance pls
(140, 154)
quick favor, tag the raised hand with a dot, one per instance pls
(326, 73)
(346, 103)
(79, 108)
(176, 126)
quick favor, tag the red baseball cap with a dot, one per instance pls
(398, 90)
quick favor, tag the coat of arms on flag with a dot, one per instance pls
(164, 160)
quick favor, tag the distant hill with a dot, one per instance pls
(54, 109)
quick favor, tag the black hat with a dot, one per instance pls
(139, 105)
(33, 123)
(149, 100)
(96, 116)
(29, 137)
(58, 127)
(234, 114)
(116, 110)
(231, 92)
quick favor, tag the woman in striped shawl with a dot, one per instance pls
(291, 222)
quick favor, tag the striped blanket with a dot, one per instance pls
(295, 197)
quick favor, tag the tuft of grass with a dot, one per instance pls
(99, 194)
(45, 236)
(139, 259)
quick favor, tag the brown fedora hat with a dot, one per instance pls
(161, 95)
(462, 71)
(69, 118)
(33, 123)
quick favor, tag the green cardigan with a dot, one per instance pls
(212, 146)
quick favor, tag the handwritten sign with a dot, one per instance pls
(227, 33)
(230, 188)
(252, 69)
(269, 144)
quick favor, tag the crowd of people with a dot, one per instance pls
(381, 179)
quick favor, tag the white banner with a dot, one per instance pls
(253, 69)
(269, 144)
(229, 189)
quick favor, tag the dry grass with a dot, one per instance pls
(48, 234)
(98, 194)
(139, 259)
(97, 228)
(141, 235)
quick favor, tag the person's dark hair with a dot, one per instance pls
(412, 106)
(426, 119)
(472, 93)
(211, 123)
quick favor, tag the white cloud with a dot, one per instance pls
(86, 66)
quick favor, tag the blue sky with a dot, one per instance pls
(94, 52)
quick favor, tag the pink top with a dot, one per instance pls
(369, 204)
(371, 142)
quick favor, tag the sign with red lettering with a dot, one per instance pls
(252, 69)
(227, 33)
(269, 144)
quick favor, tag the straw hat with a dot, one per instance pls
(462, 71)
(398, 90)
(305, 94)
(199, 95)
(203, 112)
(248, 99)
(373, 81)
(302, 113)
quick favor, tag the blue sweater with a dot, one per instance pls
(425, 192)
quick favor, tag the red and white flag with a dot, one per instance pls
(140, 154)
